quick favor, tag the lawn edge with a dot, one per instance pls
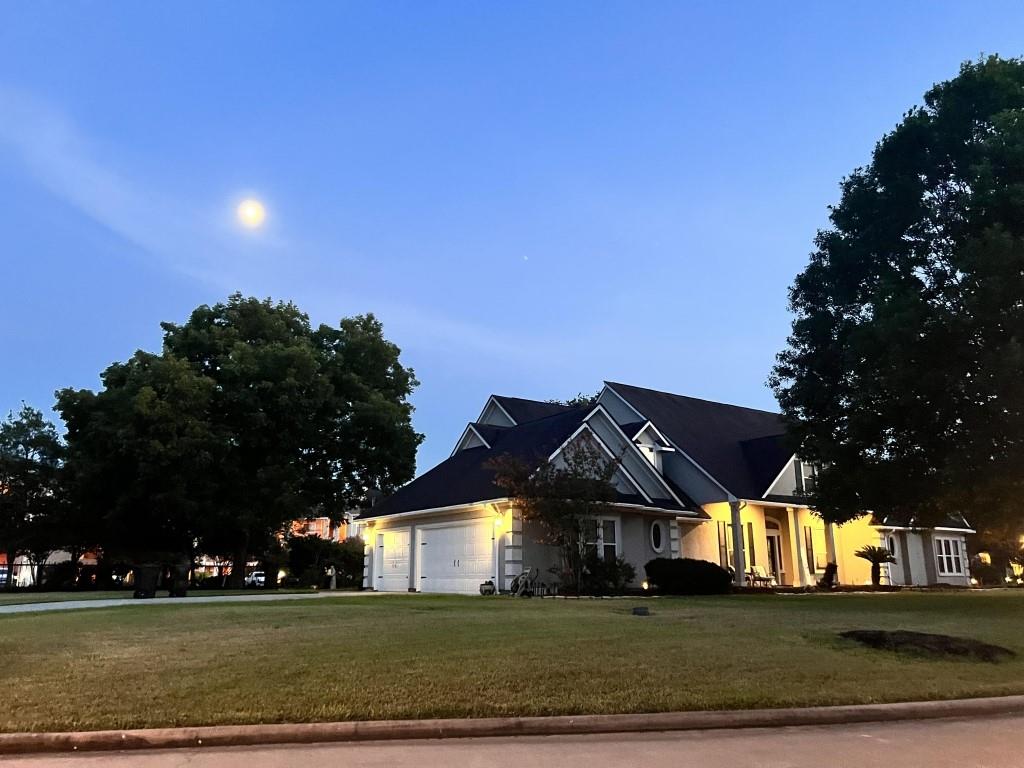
(392, 730)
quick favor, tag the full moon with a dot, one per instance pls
(251, 213)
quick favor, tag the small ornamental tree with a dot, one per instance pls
(562, 497)
(877, 556)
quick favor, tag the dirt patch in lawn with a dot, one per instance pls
(929, 644)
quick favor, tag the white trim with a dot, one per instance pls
(941, 556)
(458, 445)
(684, 454)
(599, 542)
(650, 425)
(433, 510)
(775, 504)
(779, 476)
(920, 528)
(600, 442)
(650, 531)
(500, 408)
(636, 449)
(624, 401)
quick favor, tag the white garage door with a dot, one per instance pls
(391, 561)
(456, 558)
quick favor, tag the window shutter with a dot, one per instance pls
(751, 549)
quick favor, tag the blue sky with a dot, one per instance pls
(533, 196)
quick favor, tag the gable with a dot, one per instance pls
(736, 447)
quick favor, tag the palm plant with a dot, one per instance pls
(877, 556)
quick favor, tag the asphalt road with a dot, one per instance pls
(973, 743)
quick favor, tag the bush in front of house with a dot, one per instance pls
(686, 576)
(605, 577)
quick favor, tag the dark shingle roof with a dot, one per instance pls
(742, 448)
(465, 478)
(523, 410)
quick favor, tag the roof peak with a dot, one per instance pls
(691, 397)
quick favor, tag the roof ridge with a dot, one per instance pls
(691, 397)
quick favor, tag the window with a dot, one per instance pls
(725, 547)
(948, 553)
(806, 477)
(657, 536)
(601, 537)
(890, 544)
(809, 546)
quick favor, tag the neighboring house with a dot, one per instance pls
(322, 527)
(696, 479)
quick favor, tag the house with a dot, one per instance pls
(695, 479)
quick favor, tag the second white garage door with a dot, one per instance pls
(456, 558)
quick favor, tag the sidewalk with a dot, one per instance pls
(75, 605)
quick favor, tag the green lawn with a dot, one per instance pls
(22, 597)
(412, 656)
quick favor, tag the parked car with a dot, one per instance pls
(256, 579)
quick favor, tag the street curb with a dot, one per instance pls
(391, 730)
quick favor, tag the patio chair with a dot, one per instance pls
(759, 577)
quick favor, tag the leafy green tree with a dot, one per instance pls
(141, 457)
(902, 376)
(578, 400)
(563, 498)
(310, 556)
(310, 420)
(31, 491)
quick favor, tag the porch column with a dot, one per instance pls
(796, 542)
(830, 546)
(738, 559)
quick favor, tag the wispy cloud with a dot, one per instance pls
(183, 237)
(60, 158)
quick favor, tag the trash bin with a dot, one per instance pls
(147, 577)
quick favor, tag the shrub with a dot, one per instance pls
(686, 576)
(605, 577)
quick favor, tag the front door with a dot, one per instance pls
(775, 556)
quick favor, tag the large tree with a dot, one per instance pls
(312, 420)
(141, 458)
(31, 491)
(902, 375)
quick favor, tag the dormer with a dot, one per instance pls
(495, 414)
(652, 444)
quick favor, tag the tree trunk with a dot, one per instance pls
(11, 557)
(237, 578)
(876, 574)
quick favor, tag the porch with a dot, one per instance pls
(781, 545)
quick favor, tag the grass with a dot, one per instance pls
(23, 597)
(414, 656)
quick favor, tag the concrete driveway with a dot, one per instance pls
(961, 743)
